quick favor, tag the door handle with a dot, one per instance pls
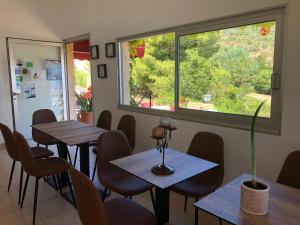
(15, 94)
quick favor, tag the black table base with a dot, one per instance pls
(162, 198)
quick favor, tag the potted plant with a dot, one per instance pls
(254, 194)
(85, 101)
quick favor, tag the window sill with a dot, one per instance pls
(264, 125)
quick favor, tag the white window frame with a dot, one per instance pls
(270, 125)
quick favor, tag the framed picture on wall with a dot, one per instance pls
(94, 49)
(102, 72)
(110, 50)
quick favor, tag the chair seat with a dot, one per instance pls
(194, 188)
(40, 152)
(93, 143)
(51, 166)
(122, 211)
(121, 181)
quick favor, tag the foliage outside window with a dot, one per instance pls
(227, 69)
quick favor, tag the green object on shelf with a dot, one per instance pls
(29, 64)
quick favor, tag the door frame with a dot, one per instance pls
(86, 36)
(10, 57)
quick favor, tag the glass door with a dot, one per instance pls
(37, 80)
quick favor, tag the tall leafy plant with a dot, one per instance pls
(253, 152)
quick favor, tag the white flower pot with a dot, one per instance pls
(254, 200)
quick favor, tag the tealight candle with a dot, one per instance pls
(158, 132)
(165, 121)
(173, 124)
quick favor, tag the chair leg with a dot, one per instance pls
(35, 199)
(24, 191)
(54, 181)
(152, 200)
(95, 166)
(104, 194)
(20, 185)
(69, 157)
(11, 174)
(185, 203)
(47, 147)
(59, 184)
(196, 213)
(38, 145)
(76, 153)
(71, 190)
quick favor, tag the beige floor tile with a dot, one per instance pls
(9, 200)
(64, 218)
(20, 217)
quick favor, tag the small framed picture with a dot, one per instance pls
(110, 50)
(94, 49)
(102, 72)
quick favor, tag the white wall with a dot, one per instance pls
(107, 20)
(31, 19)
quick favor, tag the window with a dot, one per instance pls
(215, 72)
(148, 72)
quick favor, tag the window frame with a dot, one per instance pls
(270, 125)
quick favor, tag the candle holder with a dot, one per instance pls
(162, 145)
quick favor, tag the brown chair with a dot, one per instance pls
(114, 145)
(289, 174)
(118, 211)
(104, 122)
(210, 147)
(127, 126)
(44, 116)
(38, 168)
(11, 147)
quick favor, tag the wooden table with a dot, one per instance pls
(185, 167)
(284, 205)
(72, 132)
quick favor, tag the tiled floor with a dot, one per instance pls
(54, 210)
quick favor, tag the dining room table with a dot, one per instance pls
(184, 165)
(72, 133)
(224, 203)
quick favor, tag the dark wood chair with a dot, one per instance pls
(114, 145)
(44, 116)
(104, 122)
(289, 174)
(11, 148)
(38, 168)
(127, 125)
(210, 147)
(118, 211)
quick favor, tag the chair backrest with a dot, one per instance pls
(104, 120)
(112, 145)
(26, 157)
(10, 142)
(42, 116)
(88, 202)
(289, 174)
(127, 125)
(209, 146)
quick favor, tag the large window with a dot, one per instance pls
(216, 72)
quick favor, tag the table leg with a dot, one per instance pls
(85, 159)
(162, 205)
(62, 149)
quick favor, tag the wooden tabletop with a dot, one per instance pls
(284, 205)
(70, 132)
(185, 166)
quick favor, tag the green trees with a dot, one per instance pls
(233, 66)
